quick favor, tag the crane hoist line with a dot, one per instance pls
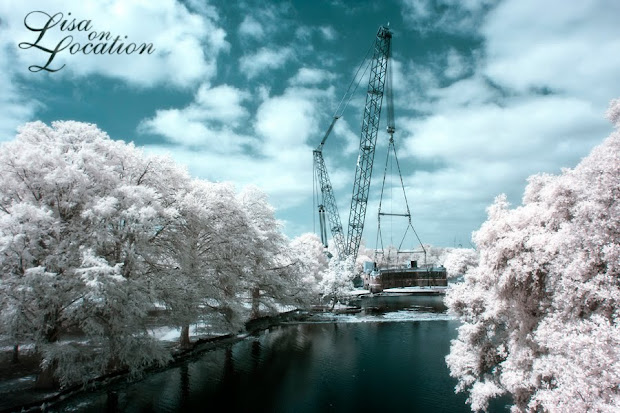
(348, 244)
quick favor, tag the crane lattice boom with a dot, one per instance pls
(363, 171)
(329, 205)
(368, 139)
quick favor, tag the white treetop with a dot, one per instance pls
(541, 312)
(94, 234)
(309, 253)
(78, 212)
(459, 260)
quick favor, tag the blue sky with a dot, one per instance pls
(486, 93)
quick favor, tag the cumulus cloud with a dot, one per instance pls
(278, 156)
(311, 76)
(185, 43)
(291, 119)
(251, 28)
(448, 16)
(265, 59)
(16, 108)
(531, 101)
(412, 82)
(456, 66)
(557, 133)
(222, 103)
(569, 50)
(210, 120)
(264, 22)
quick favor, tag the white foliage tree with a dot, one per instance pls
(337, 280)
(94, 234)
(541, 312)
(311, 261)
(197, 255)
(459, 260)
(78, 211)
(268, 260)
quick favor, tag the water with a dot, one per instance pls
(388, 357)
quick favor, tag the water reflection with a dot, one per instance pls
(385, 304)
(310, 367)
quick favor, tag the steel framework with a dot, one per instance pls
(368, 139)
(363, 171)
(329, 203)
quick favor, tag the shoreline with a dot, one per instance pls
(179, 356)
(200, 346)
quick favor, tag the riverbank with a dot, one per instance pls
(18, 395)
(387, 355)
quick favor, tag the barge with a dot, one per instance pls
(377, 279)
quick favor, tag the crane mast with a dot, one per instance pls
(363, 171)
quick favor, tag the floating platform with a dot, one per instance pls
(412, 280)
(400, 291)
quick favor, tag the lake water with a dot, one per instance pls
(389, 357)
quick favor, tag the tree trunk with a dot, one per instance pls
(46, 379)
(184, 341)
(255, 303)
(16, 354)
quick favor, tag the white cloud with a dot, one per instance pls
(533, 104)
(210, 120)
(411, 82)
(222, 103)
(571, 50)
(287, 179)
(467, 92)
(488, 149)
(456, 67)
(532, 134)
(449, 16)
(251, 28)
(263, 60)
(276, 154)
(264, 21)
(328, 32)
(16, 108)
(311, 76)
(344, 133)
(186, 44)
(306, 34)
(291, 119)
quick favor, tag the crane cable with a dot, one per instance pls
(339, 112)
(392, 146)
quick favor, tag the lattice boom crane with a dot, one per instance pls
(363, 170)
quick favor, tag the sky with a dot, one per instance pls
(486, 93)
